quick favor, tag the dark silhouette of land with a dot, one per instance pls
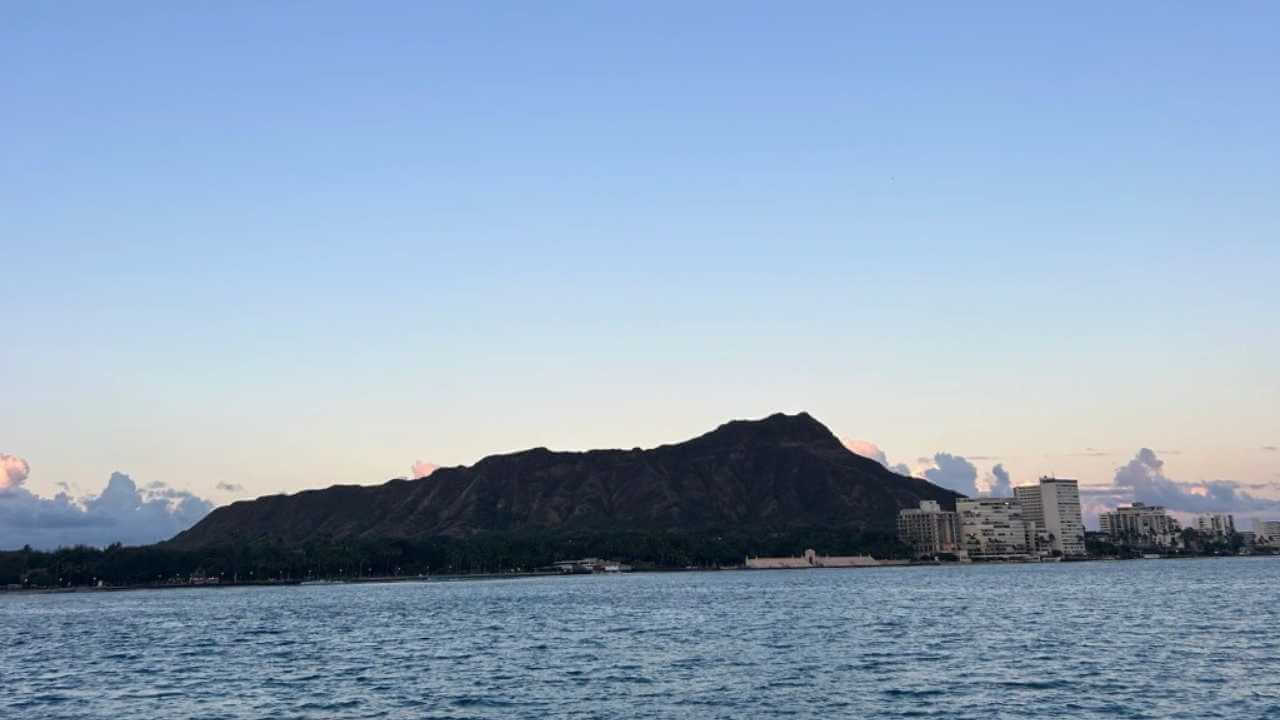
(782, 472)
(766, 487)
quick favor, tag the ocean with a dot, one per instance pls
(1140, 639)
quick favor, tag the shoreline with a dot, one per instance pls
(482, 577)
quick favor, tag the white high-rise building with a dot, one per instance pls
(993, 528)
(1216, 524)
(1054, 506)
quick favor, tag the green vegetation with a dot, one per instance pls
(485, 553)
(1191, 542)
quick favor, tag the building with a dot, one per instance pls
(586, 566)
(1267, 530)
(1054, 506)
(994, 529)
(1139, 523)
(811, 559)
(929, 529)
(1216, 524)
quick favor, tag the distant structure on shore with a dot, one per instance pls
(994, 529)
(811, 559)
(1054, 506)
(1039, 521)
(1216, 524)
(1151, 529)
(1150, 524)
(586, 566)
(1266, 530)
(930, 530)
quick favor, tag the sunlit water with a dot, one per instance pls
(1148, 639)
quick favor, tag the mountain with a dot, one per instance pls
(780, 473)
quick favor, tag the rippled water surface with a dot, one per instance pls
(1146, 639)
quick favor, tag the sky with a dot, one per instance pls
(255, 248)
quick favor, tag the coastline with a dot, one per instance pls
(483, 577)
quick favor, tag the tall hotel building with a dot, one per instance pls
(1054, 506)
(930, 529)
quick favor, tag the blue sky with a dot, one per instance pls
(282, 246)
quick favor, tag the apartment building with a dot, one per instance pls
(993, 528)
(1267, 529)
(1216, 524)
(1140, 523)
(929, 529)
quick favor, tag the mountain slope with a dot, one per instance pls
(785, 471)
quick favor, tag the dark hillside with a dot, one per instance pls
(779, 474)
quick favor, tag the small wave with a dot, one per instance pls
(1034, 684)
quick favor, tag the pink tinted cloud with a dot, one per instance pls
(867, 449)
(422, 469)
(13, 471)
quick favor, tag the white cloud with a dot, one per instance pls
(954, 473)
(15, 471)
(999, 484)
(122, 512)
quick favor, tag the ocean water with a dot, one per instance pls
(1143, 639)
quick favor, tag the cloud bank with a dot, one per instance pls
(953, 473)
(1143, 480)
(122, 512)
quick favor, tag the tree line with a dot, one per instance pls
(117, 565)
(1190, 542)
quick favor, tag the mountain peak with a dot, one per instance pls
(778, 427)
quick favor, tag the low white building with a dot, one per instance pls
(590, 565)
(1143, 524)
(811, 559)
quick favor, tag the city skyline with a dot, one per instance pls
(133, 513)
